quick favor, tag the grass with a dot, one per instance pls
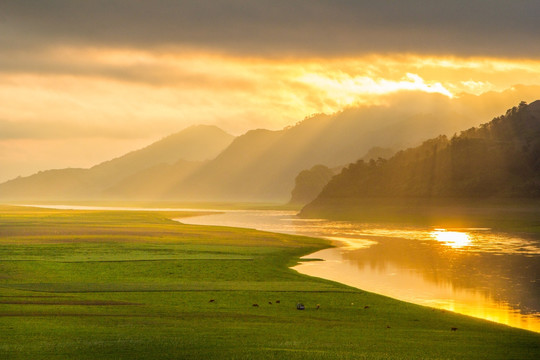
(136, 285)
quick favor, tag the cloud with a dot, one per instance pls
(109, 92)
(353, 89)
(78, 72)
(49, 129)
(279, 27)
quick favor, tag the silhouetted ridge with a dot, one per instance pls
(497, 159)
(262, 165)
(203, 163)
(309, 183)
(142, 174)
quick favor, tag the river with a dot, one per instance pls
(472, 271)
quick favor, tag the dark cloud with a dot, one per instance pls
(280, 27)
(154, 74)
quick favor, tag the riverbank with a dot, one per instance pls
(503, 214)
(472, 271)
(102, 284)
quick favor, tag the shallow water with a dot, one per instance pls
(476, 272)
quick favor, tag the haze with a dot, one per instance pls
(82, 82)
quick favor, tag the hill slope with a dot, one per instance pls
(497, 159)
(263, 164)
(195, 143)
(309, 183)
(191, 145)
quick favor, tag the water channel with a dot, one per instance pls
(472, 271)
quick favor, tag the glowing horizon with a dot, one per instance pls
(114, 100)
(181, 88)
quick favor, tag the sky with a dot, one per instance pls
(84, 81)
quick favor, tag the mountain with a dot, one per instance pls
(499, 159)
(378, 152)
(186, 149)
(152, 183)
(262, 165)
(309, 183)
(203, 163)
(196, 143)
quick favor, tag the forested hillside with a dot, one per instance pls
(497, 159)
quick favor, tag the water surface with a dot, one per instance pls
(473, 271)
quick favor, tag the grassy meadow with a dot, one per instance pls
(138, 285)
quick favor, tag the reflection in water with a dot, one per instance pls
(428, 283)
(470, 271)
(453, 239)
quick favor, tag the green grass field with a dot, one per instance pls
(137, 285)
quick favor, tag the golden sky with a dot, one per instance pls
(81, 83)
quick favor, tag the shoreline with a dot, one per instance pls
(205, 292)
(497, 313)
(306, 263)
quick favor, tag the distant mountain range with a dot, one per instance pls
(205, 163)
(145, 171)
(497, 159)
(262, 165)
(309, 183)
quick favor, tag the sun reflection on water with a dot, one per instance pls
(472, 271)
(453, 239)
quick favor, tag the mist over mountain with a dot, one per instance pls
(262, 165)
(497, 159)
(166, 159)
(195, 143)
(205, 163)
(153, 183)
(309, 183)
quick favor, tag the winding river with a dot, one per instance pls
(472, 271)
(477, 272)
